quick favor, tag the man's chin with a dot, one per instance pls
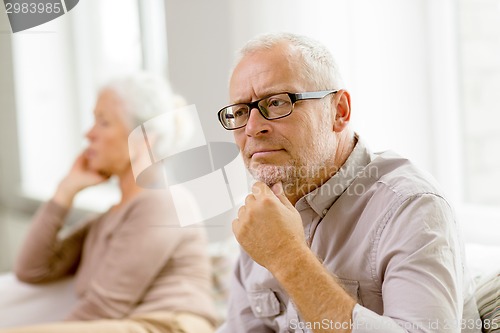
(270, 174)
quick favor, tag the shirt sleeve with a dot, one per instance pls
(45, 257)
(240, 317)
(418, 260)
(137, 251)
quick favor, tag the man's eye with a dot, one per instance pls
(276, 103)
(240, 113)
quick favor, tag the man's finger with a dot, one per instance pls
(260, 189)
(250, 198)
(280, 194)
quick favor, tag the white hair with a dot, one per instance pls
(146, 96)
(317, 63)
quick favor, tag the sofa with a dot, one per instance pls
(23, 304)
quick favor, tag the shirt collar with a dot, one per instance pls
(322, 198)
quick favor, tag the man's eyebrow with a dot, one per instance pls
(266, 93)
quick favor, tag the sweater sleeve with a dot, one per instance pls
(137, 250)
(45, 257)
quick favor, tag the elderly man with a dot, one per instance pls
(334, 238)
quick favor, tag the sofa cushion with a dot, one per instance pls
(488, 302)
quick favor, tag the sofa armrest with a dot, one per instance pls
(25, 304)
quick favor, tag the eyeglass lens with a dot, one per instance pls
(271, 107)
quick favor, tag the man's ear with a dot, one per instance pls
(342, 104)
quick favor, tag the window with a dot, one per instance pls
(56, 89)
(479, 36)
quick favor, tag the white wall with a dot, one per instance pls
(199, 55)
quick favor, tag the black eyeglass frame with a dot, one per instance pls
(294, 97)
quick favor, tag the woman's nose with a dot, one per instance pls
(90, 133)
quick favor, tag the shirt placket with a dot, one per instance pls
(308, 219)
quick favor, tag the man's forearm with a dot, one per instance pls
(319, 298)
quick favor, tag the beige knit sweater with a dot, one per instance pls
(136, 259)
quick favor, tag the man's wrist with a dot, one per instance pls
(287, 264)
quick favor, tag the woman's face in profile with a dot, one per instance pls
(108, 149)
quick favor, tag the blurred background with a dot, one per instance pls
(424, 77)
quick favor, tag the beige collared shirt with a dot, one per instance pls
(384, 229)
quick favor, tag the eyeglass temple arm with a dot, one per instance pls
(313, 95)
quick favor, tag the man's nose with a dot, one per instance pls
(256, 123)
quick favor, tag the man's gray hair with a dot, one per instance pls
(318, 65)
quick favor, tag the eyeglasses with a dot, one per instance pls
(271, 107)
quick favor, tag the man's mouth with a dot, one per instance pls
(264, 153)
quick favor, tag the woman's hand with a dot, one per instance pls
(78, 178)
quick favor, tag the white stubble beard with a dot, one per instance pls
(301, 170)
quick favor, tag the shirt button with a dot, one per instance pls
(325, 211)
(258, 309)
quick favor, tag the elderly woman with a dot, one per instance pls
(136, 269)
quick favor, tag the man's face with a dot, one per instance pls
(295, 149)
